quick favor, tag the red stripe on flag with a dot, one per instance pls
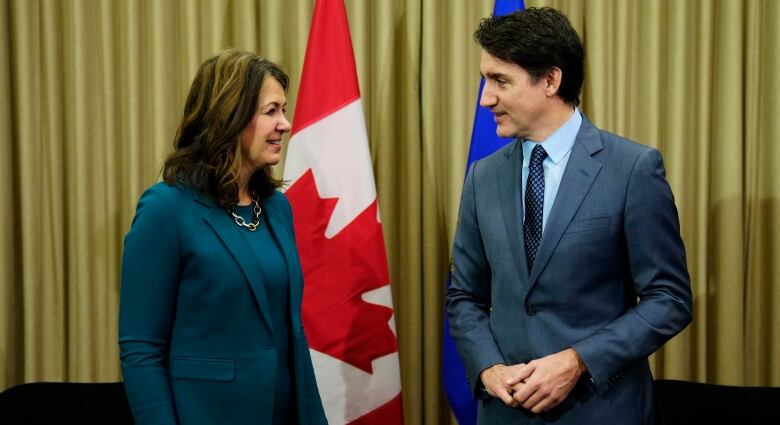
(329, 80)
(389, 413)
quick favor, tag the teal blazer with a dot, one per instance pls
(195, 337)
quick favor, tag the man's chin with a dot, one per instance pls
(503, 132)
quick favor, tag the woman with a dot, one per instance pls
(210, 309)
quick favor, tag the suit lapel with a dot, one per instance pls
(227, 232)
(581, 171)
(509, 180)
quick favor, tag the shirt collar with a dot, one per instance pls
(560, 142)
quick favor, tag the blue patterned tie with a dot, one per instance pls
(534, 204)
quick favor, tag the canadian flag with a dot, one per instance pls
(347, 304)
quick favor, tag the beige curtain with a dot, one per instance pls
(91, 92)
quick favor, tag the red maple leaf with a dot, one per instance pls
(337, 271)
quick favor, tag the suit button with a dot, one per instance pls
(531, 311)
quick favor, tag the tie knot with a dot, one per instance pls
(538, 155)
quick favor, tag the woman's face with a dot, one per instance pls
(261, 139)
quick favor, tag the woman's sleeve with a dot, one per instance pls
(150, 277)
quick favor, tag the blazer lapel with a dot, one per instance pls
(509, 179)
(581, 171)
(242, 253)
(286, 242)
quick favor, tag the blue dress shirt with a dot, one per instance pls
(558, 146)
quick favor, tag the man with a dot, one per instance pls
(559, 233)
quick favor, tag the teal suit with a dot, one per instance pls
(196, 341)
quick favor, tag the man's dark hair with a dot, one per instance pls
(537, 39)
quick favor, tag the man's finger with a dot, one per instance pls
(524, 390)
(506, 397)
(520, 374)
(544, 405)
(531, 401)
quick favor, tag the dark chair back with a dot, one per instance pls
(65, 403)
(686, 403)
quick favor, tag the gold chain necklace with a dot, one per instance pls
(255, 221)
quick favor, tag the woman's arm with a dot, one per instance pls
(150, 277)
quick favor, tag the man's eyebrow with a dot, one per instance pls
(494, 75)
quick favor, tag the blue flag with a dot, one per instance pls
(484, 141)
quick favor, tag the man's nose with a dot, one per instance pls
(487, 99)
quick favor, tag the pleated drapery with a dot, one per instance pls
(91, 92)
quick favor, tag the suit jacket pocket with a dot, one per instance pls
(588, 224)
(202, 369)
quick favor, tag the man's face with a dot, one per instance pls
(515, 100)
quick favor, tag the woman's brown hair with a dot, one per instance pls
(221, 103)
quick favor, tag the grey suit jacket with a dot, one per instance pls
(612, 236)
